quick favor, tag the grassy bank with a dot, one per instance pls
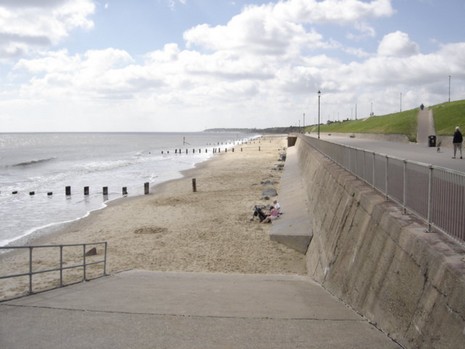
(446, 117)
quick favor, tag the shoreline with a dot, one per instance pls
(34, 234)
(175, 229)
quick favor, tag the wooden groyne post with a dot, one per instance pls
(146, 188)
(194, 185)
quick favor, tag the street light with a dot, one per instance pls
(449, 88)
(319, 95)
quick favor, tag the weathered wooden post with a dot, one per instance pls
(146, 188)
(194, 185)
(125, 191)
(86, 191)
(68, 191)
(105, 191)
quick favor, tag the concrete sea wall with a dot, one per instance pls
(381, 262)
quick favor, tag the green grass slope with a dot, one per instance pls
(446, 117)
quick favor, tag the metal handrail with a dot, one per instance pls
(84, 265)
(434, 194)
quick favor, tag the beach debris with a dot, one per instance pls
(150, 230)
(269, 192)
(269, 182)
(91, 252)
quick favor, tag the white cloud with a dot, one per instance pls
(31, 25)
(397, 44)
(277, 29)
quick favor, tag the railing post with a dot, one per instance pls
(84, 261)
(386, 177)
(105, 260)
(374, 170)
(61, 265)
(30, 270)
(430, 195)
(404, 194)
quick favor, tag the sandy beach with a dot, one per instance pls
(176, 229)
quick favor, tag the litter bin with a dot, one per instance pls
(432, 141)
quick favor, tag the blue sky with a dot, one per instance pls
(187, 65)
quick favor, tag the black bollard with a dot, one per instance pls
(86, 191)
(68, 191)
(146, 188)
(194, 185)
(105, 191)
(125, 191)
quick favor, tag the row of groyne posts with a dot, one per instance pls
(124, 190)
(199, 151)
(87, 191)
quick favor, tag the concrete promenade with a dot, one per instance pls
(141, 309)
(407, 151)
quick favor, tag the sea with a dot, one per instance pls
(37, 168)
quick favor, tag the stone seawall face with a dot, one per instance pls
(381, 262)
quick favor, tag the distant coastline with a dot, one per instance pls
(271, 130)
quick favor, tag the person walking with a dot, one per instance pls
(457, 141)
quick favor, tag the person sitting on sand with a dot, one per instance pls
(272, 215)
(278, 207)
(258, 212)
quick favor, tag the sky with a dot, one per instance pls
(190, 65)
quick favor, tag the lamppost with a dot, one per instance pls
(319, 95)
(449, 88)
(401, 101)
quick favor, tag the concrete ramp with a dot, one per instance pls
(294, 227)
(425, 126)
(141, 309)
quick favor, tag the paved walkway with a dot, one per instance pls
(141, 309)
(425, 126)
(413, 151)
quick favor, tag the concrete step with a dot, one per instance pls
(294, 227)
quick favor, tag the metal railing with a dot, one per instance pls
(85, 260)
(432, 193)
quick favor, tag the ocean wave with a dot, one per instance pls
(33, 162)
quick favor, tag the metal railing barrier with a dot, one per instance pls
(434, 194)
(81, 256)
